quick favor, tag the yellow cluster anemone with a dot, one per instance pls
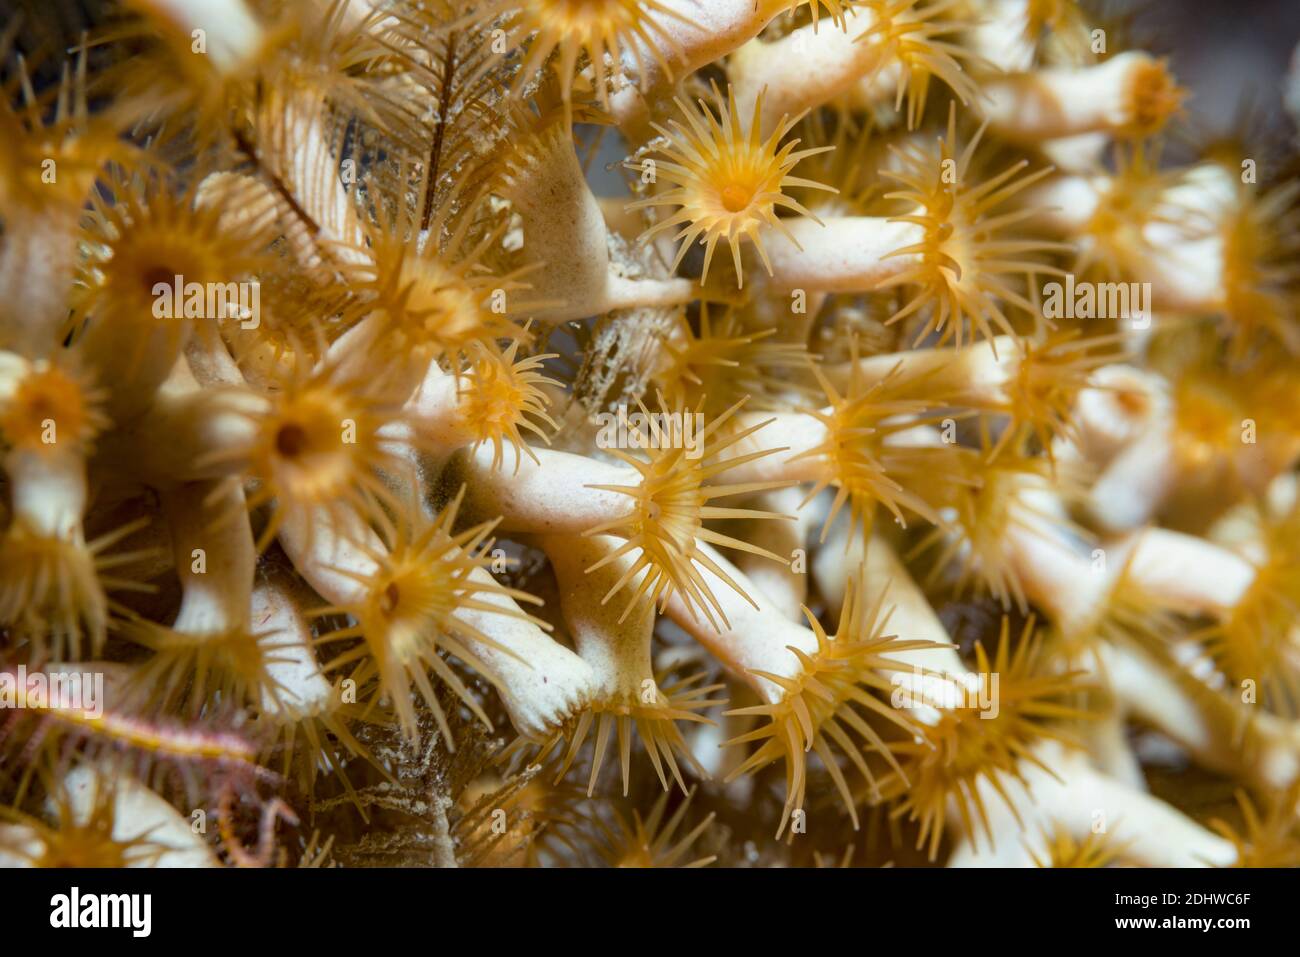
(964, 271)
(411, 607)
(859, 461)
(502, 395)
(525, 432)
(653, 841)
(671, 509)
(828, 700)
(654, 714)
(727, 180)
(968, 751)
(315, 444)
(922, 42)
(723, 363)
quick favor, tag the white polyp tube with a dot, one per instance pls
(139, 814)
(1001, 38)
(850, 254)
(325, 547)
(700, 32)
(1076, 154)
(1053, 103)
(786, 586)
(1186, 275)
(300, 685)
(755, 639)
(543, 684)
(1076, 797)
(211, 364)
(975, 374)
(1051, 571)
(37, 263)
(1064, 203)
(910, 616)
(47, 491)
(1204, 722)
(1115, 412)
(550, 496)
(231, 33)
(1189, 573)
(1106, 739)
(182, 434)
(215, 557)
(562, 218)
(617, 651)
(1182, 254)
(792, 434)
(435, 412)
(1137, 480)
(779, 71)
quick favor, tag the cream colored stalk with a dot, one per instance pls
(542, 683)
(1050, 565)
(618, 651)
(137, 361)
(1220, 736)
(1079, 799)
(43, 548)
(1182, 252)
(436, 411)
(215, 559)
(1076, 154)
(1001, 37)
(912, 613)
(47, 492)
(231, 31)
(975, 374)
(849, 254)
(302, 688)
(166, 839)
(617, 646)
(1188, 573)
(1116, 411)
(309, 712)
(1129, 92)
(1105, 737)
(140, 813)
(184, 427)
(1137, 480)
(691, 34)
(786, 585)
(37, 259)
(577, 271)
(779, 70)
(757, 639)
(550, 496)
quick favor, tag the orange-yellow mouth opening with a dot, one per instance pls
(736, 198)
